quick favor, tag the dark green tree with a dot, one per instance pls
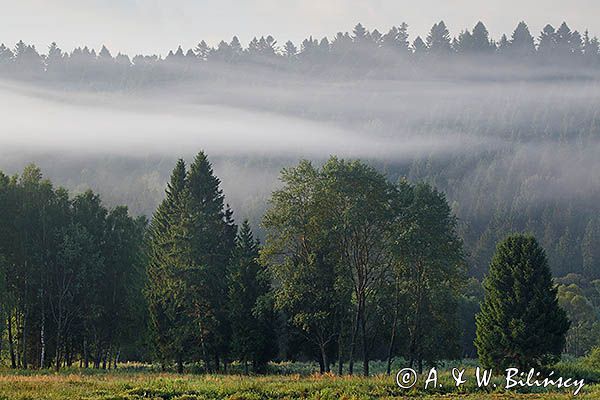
(249, 304)
(520, 324)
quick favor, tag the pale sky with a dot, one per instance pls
(155, 26)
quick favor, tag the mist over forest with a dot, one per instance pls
(509, 128)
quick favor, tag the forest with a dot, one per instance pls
(490, 136)
(353, 267)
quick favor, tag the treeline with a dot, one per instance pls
(354, 267)
(361, 51)
(71, 272)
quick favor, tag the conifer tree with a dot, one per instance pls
(520, 324)
(168, 250)
(213, 233)
(522, 43)
(438, 40)
(249, 304)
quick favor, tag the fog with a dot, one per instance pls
(123, 143)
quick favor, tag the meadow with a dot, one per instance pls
(286, 381)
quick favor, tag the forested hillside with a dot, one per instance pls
(507, 127)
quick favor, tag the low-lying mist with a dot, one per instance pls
(510, 144)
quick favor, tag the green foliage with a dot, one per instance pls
(348, 249)
(71, 272)
(250, 308)
(431, 266)
(190, 246)
(520, 323)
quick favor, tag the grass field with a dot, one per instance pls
(137, 384)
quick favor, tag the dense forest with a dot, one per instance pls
(504, 132)
(354, 267)
(361, 52)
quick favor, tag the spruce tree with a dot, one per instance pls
(520, 323)
(164, 290)
(213, 233)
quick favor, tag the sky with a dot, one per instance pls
(155, 26)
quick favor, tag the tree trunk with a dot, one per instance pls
(42, 341)
(179, 364)
(11, 345)
(365, 350)
(353, 341)
(116, 360)
(324, 359)
(57, 355)
(104, 356)
(24, 342)
(86, 355)
(393, 335)
(340, 355)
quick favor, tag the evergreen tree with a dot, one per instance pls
(480, 39)
(169, 256)
(547, 41)
(213, 240)
(249, 304)
(202, 50)
(522, 42)
(290, 50)
(520, 323)
(419, 47)
(438, 39)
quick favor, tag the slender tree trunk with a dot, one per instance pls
(57, 355)
(116, 360)
(365, 350)
(324, 359)
(217, 363)
(179, 364)
(104, 356)
(340, 355)
(393, 334)
(321, 365)
(86, 355)
(24, 342)
(246, 367)
(353, 341)
(11, 345)
(43, 340)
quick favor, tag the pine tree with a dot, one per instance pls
(520, 323)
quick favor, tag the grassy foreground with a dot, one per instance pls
(154, 385)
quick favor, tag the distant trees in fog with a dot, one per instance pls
(362, 49)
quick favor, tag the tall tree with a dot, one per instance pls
(431, 263)
(169, 254)
(522, 42)
(438, 39)
(299, 253)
